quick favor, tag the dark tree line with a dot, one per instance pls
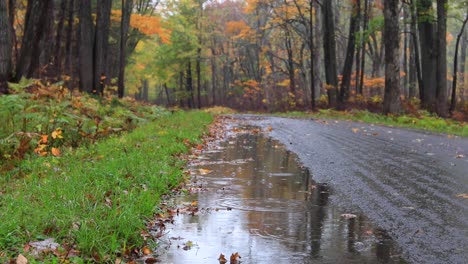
(60, 38)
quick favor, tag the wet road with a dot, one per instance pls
(404, 181)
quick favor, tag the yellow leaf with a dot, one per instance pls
(55, 152)
(463, 195)
(57, 133)
(194, 203)
(204, 171)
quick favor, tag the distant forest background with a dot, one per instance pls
(262, 55)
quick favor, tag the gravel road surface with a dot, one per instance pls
(407, 182)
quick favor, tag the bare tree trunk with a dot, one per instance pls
(329, 47)
(198, 72)
(348, 64)
(189, 83)
(58, 60)
(461, 34)
(5, 47)
(127, 6)
(392, 65)
(428, 53)
(101, 44)
(36, 17)
(441, 89)
(86, 47)
(464, 46)
(363, 52)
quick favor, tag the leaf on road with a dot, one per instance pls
(222, 259)
(460, 156)
(355, 130)
(269, 128)
(204, 171)
(463, 195)
(234, 258)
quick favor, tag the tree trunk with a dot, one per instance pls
(464, 46)
(363, 52)
(36, 17)
(198, 72)
(441, 91)
(348, 64)
(101, 43)
(312, 54)
(329, 47)
(5, 47)
(392, 65)
(461, 34)
(127, 6)
(86, 47)
(58, 56)
(189, 83)
(428, 53)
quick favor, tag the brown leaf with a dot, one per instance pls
(235, 258)
(463, 195)
(355, 130)
(147, 251)
(269, 128)
(222, 259)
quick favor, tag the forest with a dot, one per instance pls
(261, 55)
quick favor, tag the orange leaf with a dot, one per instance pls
(222, 259)
(44, 139)
(55, 152)
(147, 251)
(235, 258)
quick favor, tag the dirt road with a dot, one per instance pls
(407, 182)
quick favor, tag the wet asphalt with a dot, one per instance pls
(406, 182)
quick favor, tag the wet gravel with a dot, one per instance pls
(407, 182)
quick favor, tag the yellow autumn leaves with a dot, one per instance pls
(44, 145)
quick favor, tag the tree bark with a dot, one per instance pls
(461, 34)
(101, 43)
(329, 50)
(464, 46)
(364, 44)
(392, 103)
(36, 17)
(428, 53)
(5, 47)
(127, 6)
(348, 64)
(86, 47)
(441, 91)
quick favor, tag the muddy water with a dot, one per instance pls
(255, 199)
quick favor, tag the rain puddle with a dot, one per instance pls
(249, 195)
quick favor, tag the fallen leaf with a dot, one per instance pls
(450, 136)
(147, 251)
(355, 130)
(151, 260)
(204, 171)
(463, 195)
(21, 259)
(269, 128)
(44, 139)
(222, 259)
(55, 151)
(234, 258)
(460, 156)
(57, 133)
(194, 203)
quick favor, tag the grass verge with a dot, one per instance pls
(424, 121)
(96, 198)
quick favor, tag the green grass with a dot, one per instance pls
(426, 121)
(98, 196)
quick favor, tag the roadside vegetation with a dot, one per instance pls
(86, 172)
(420, 120)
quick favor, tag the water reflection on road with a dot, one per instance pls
(258, 201)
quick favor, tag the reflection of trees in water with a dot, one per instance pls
(317, 230)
